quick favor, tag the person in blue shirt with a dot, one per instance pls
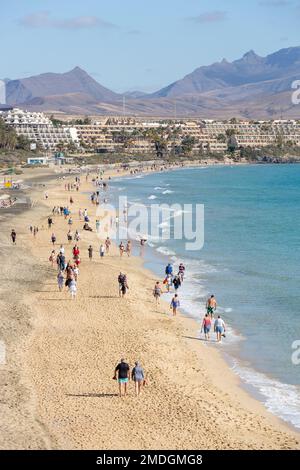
(169, 269)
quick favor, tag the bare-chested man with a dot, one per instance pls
(211, 305)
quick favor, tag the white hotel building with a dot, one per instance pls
(38, 128)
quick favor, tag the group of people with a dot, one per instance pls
(208, 321)
(125, 249)
(68, 273)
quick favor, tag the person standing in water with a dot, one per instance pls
(138, 377)
(176, 282)
(13, 236)
(219, 328)
(211, 305)
(175, 304)
(206, 326)
(122, 373)
(181, 271)
(169, 269)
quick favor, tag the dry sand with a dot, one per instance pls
(57, 390)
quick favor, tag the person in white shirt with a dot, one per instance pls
(102, 250)
(219, 328)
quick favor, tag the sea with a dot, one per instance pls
(250, 261)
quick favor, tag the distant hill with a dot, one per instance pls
(76, 81)
(252, 87)
(250, 69)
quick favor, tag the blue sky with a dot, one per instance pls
(135, 44)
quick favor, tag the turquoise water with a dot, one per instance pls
(250, 261)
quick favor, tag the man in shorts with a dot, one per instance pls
(211, 305)
(122, 374)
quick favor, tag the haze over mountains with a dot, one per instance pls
(252, 87)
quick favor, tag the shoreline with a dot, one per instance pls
(239, 367)
(58, 332)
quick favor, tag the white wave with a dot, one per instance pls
(168, 191)
(165, 251)
(158, 188)
(152, 197)
(281, 399)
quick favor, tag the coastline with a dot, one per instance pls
(193, 400)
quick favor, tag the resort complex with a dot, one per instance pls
(144, 136)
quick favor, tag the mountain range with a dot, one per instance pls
(250, 87)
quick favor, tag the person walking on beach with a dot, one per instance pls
(53, 239)
(168, 282)
(52, 258)
(50, 222)
(206, 326)
(90, 250)
(138, 377)
(35, 231)
(122, 249)
(107, 245)
(13, 236)
(219, 328)
(128, 248)
(60, 281)
(175, 304)
(157, 293)
(211, 305)
(61, 262)
(122, 373)
(123, 286)
(102, 251)
(73, 289)
(75, 251)
(69, 236)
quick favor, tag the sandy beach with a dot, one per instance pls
(57, 390)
